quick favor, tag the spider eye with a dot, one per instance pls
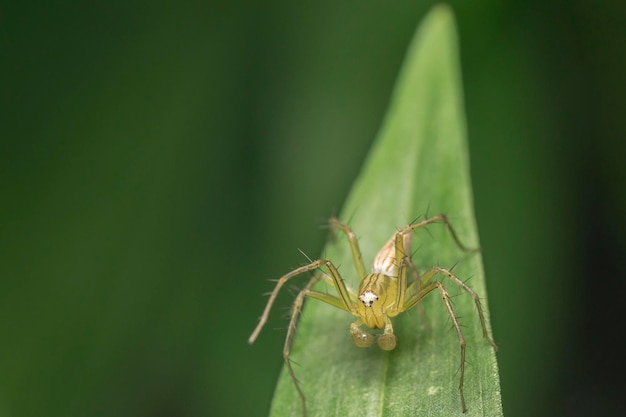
(368, 298)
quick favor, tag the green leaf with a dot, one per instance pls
(419, 164)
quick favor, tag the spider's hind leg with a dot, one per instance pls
(440, 218)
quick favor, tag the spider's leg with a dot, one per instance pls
(440, 218)
(279, 284)
(481, 315)
(354, 245)
(335, 280)
(291, 330)
(296, 308)
(400, 246)
(446, 300)
(414, 288)
(426, 287)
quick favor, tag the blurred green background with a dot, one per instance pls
(161, 161)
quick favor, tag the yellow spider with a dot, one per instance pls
(383, 294)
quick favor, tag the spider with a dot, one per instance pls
(382, 294)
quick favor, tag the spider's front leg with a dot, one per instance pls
(426, 287)
(343, 301)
